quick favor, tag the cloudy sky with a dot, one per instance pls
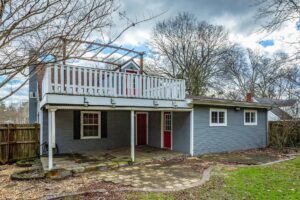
(238, 16)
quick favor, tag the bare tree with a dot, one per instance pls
(190, 50)
(277, 12)
(54, 30)
(250, 71)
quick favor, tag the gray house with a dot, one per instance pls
(82, 109)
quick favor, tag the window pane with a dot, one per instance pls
(247, 117)
(221, 117)
(214, 117)
(253, 117)
(95, 119)
(168, 122)
(89, 131)
(85, 118)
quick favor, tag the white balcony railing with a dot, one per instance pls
(69, 79)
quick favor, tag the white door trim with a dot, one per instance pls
(147, 127)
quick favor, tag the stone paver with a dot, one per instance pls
(154, 176)
(104, 159)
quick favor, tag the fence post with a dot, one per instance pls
(7, 142)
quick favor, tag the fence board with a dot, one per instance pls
(18, 141)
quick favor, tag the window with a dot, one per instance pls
(90, 125)
(168, 121)
(32, 95)
(218, 117)
(250, 117)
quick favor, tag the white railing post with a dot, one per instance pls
(68, 73)
(100, 83)
(49, 78)
(125, 82)
(79, 80)
(74, 80)
(85, 81)
(62, 80)
(105, 83)
(90, 87)
(55, 78)
(96, 92)
(119, 84)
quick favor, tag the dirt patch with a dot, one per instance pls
(248, 157)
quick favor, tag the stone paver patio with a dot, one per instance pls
(101, 160)
(152, 176)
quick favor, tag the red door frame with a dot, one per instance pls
(129, 71)
(166, 135)
(136, 128)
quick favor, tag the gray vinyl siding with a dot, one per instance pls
(234, 136)
(32, 101)
(118, 135)
(154, 129)
(181, 132)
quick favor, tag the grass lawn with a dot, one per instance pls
(277, 181)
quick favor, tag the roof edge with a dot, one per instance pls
(229, 103)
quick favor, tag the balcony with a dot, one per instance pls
(78, 80)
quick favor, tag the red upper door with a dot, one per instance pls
(131, 85)
(141, 128)
(167, 130)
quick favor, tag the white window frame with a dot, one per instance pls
(250, 123)
(217, 110)
(81, 125)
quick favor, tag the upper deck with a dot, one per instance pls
(71, 80)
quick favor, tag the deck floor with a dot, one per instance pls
(117, 157)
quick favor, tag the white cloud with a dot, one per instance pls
(135, 37)
(282, 38)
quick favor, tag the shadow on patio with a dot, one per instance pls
(105, 159)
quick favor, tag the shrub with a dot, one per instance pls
(284, 134)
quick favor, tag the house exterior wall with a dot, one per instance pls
(154, 129)
(181, 132)
(118, 135)
(32, 101)
(234, 136)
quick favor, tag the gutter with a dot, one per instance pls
(229, 103)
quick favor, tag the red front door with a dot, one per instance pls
(167, 130)
(141, 128)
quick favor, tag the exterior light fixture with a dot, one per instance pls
(155, 103)
(237, 108)
(113, 102)
(85, 102)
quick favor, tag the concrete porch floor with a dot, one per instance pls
(106, 159)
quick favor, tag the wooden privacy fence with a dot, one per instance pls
(18, 141)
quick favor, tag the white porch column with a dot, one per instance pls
(51, 136)
(132, 134)
(192, 132)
